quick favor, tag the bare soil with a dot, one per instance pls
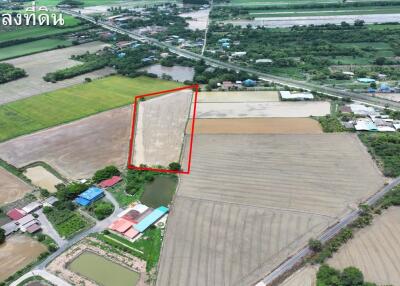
(17, 252)
(238, 96)
(11, 187)
(305, 276)
(78, 149)
(251, 201)
(255, 126)
(374, 250)
(160, 128)
(38, 65)
(42, 178)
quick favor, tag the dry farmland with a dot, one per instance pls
(12, 188)
(306, 276)
(17, 252)
(238, 96)
(40, 64)
(78, 149)
(160, 128)
(255, 126)
(42, 178)
(375, 250)
(262, 109)
(252, 200)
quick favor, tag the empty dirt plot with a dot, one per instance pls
(374, 250)
(255, 126)
(160, 128)
(250, 201)
(38, 65)
(17, 252)
(12, 188)
(238, 96)
(42, 178)
(262, 109)
(306, 276)
(78, 149)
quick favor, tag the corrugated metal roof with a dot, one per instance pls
(151, 218)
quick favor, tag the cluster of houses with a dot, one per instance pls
(368, 119)
(229, 85)
(132, 222)
(25, 219)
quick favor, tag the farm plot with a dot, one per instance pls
(40, 64)
(17, 252)
(238, 96)
(78, 149)
(374, 250)
(250, 201)
(42, 178)
(262, 109)
(160, 128)
(255, 126)
(12, 188)
(306, 276)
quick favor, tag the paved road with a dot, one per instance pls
(327, 235)
(364, 98)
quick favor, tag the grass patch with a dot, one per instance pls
(72, 103)
(118, 192)
(32, 47)
(331, 124)
(385, 148)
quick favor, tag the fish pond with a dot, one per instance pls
(160, 191)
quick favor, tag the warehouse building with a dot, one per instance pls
(287, 95)
(89, 196)
(153, 217)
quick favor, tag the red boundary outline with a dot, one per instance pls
(132, 138)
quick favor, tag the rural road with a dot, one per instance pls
(327, 235)
(363, 98)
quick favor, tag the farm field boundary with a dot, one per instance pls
(134, 127)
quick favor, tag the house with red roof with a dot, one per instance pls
(16, 214)
(110, 182)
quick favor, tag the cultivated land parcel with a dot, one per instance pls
(244, 209)
(72, 103)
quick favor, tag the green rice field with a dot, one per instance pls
(31, 48)
(103, 271)
(159, 192)
(64, 105)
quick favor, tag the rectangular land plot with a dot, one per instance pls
(263, 196)
(238, 96)
(159, 128)
(12, 188)
(78, 149)
(262, 109)
(256, 126)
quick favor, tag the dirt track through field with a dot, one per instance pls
(38, 65)
(11, 188)
(250, 201)
(374, 250)
(255, 126)
(78, 149)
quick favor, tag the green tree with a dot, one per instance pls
(351, 276)
(105, 173)
(103, 209)
(2, 236)
(315, 245)
(175, 166)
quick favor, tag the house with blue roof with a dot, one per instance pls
(154, 216)
(89, 196)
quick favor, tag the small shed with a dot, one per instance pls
(34, 206)
(16, 214)
(50, 201)
(110, 182)
(10, 228)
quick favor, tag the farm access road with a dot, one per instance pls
(326, 236)
(363, 98)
